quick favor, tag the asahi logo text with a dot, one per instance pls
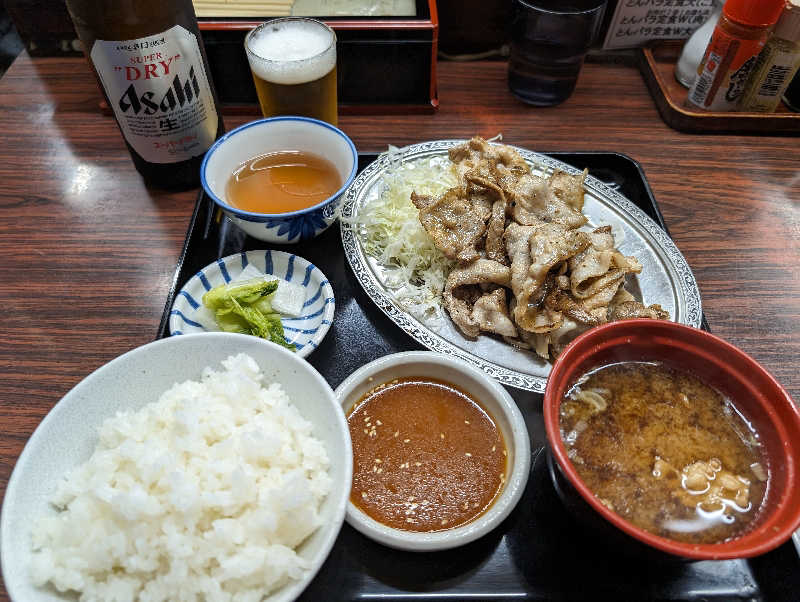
(160, 93)
(179, 94)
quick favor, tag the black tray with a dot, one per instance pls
(540, 551)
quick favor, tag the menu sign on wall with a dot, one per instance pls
(636, 22)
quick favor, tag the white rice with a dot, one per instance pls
(202, 495)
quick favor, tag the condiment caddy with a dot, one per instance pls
(657, 64)
(749, 61)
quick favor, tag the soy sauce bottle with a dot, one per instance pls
(150, 62)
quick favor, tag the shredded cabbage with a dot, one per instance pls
(391, 233)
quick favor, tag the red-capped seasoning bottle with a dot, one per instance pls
(732, 52)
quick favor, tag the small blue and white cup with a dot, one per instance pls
(273, 135)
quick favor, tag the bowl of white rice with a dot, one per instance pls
(212, 466)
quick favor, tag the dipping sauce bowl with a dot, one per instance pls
(279, 134)
(750, 388)
(492, 398)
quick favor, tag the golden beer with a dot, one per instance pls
(293, 62)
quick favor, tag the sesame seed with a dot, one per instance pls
(409, 520)
(380, 470)
(466, 505)
(366, 419)
(364, 494)
(366, 431)
(396, 433)
(417, 463)
(494, 448)
(468, 455)
(411, 499)
(505, 453)
(466, 422)
(369, 424)
(444, 521)
(377, 460)
(374, 469)
(406, 440)
(378, 422)
(441, 435)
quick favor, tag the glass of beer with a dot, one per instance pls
(293, 61)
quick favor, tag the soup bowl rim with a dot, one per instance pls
(752, 542)
(255, 216)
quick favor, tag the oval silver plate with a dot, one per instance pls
(665, 279)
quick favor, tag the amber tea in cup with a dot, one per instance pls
(282, 182)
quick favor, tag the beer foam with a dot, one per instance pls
(291, 52)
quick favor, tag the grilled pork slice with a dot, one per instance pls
(464, 293)
(452, 223)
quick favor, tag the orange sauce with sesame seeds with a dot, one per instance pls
(426, 456)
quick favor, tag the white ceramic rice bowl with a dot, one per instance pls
(67, 437)
(272, 135)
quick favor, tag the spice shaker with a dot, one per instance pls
(738, 37)
(777, 63)
(695, 46)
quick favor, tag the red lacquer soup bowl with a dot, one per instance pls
(751, 389)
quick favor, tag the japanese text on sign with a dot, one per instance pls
(637, 22)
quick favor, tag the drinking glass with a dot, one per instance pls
(293, 62)
(549, 40)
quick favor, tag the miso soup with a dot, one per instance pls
(665, 451)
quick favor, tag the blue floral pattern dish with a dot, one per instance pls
(301, 227)
(188, 315)
(276, 134)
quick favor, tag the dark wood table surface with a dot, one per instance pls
(87, 253)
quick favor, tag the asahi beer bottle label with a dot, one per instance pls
(159, 92)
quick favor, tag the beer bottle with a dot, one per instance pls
(150, 62)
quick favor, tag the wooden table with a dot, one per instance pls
(87, 253)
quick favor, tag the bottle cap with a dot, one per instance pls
(788, 27)
(755, 13)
